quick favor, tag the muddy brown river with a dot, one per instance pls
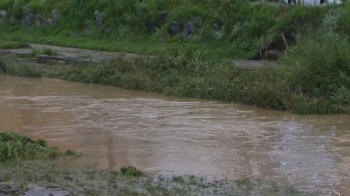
(113, 127)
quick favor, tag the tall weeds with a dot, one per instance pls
(9, 66)
(320, 64)
(184, 77)
(316, 80)
(241, 26)
(16, 146)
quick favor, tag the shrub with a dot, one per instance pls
(320, 64)
(16, 146)
(6, 4)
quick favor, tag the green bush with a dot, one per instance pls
(320, 64)
(16, 146)
(16, 9)
(130, 171)
(34, 5)
(6, 4)
(13, 45)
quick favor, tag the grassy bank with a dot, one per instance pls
(278, 89)
(8, 66)
(224, 29)
(315, 80)
(12, 45)
(30, 163)
(88, 181)
(15, 146)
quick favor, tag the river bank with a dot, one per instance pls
(277, 89)
(114, 127)
(314, 80)
(216, 29)
(58, 175)
(37, 177)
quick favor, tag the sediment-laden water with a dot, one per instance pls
(113, 127)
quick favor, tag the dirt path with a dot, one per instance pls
(69, 54)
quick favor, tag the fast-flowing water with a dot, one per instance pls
(113, 127)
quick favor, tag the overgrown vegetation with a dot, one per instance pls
(224, 28)
(309, 89)
(320, 65)
(16, 146)
(13, 45)
(48, 51)
(89, 181)
(315, 80)
(130, 171)
(9, 66)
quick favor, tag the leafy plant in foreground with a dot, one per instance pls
(16, 146)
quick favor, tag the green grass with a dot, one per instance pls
(182, 77)
(89, 181)
(315, 80)
(5, 4)
(12, 67)
(145, 47)
(244, 26)
(13, 45)
(16, 146)
(49, 51)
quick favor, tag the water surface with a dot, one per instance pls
(113, 127)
